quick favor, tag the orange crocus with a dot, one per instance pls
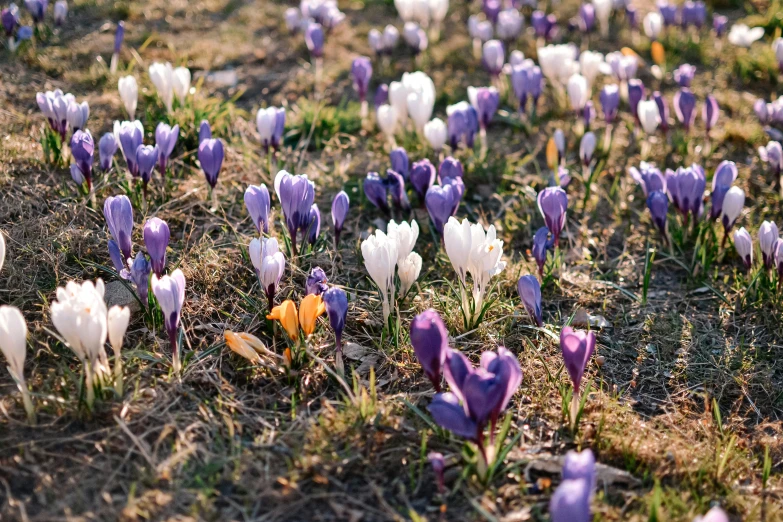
(551, 154)
(658, 54)
(242, 343)
(310, 308)
(285, 312)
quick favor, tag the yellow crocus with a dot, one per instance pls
(658, 55)
(285, 312)
(241, 343)
(551, 154)
(311, 307)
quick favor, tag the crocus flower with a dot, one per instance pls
(430, 341)
(610, 101)
(653, 25)
(744, 245)
(77, 115)
(270, 123)
(462, 124)
(436, 133)
(146, 159)
(530, 292)
(82, 150)
(336, 302)
(450, 168)
(381, 95)
(387, 116)
(586, 17)
(686, 189)
(286, 314)
(693, 13)
(493, 57)
(37, 9)
(117, 322)
(709, 113)
(580, 466)
(170, 293)
(361, 70)
(210, 156)
(316, 282)
(635, 95)
(422, 176)
(180, 83)
(130, 136)
(138, 272)
(684, 105)
(485, 100)
(772, 154)
(395, 185)
(649, 115)
(340, 206)
(161, 75)
(663, 110)
(587, 147)
(156, 239)
(107, 147)
(541, 244)
(439, 201)
(571, 502)
(380, 259)
(719, 23)
(578, 91)
(313, 229)
(258, 203)
(722, 180)
(491, 9)
(204, 131)
(743, 36)
(310, 309)
(408, 270)
(509, 24)
(553, 203)
(375, 191)
(623, 67)
(715, 514)
(649, 177)
(399, 161)
(269, 264)
(577, 347)
(13, 344)
(314, 38)
(165, 140)
(768, 242)
(668, 12)
(684, 74)
(588, 113)
(119, 36)
(733, 203)
(9, 21)
(118, 212)
(129, 94)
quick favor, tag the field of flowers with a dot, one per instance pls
(500, 260)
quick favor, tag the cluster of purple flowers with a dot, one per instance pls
(462, 124)
(527, 82)
(689, 14)
(769, 113)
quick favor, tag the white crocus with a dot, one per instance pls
(436, 133)
(578, 91)
(591, 65)
(80, 315)
(398, 98)
(587, 147)
(117, 324)
(649, 115)
(266, 120)
(161, 76)
(558, 62)
(408, 269)
(180, 82)
(653, 25)
(743, 36)
(405, 234)
(268, 261)
(438, 10)
(2, 249)
(380, 259)
(777, 48)
(13, 344)
(485, 254)
(559, 137)
(129, 94)
(77, 115)
(420, 107)
(733, 202)
(603, 10)
(387, 119)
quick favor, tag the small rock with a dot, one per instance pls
(117, 294)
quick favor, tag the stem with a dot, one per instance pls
(574, 409)
(115, 58)
(174, 351)
(88, 382)
(118, 372)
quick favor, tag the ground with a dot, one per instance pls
(685, 402)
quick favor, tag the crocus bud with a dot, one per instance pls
(658, 204)
(117, 323)
(578, 91)
(587, 147)
(269, 265)
(777, 48)
(684, 105)
(610, 101)
(493, 57)
(540, 246)
(449, 168)
(316, 282)
(107, 147)
(82, 150)
(258, 204)
(744, 245)
(270, 123)
(768, 242)
(361, 70)
(161, 76)
(422, 176)
(204, 131)
(314, 227)
(577, 347)
(77, 115)
(653, 25)
(586, 17)
(180, 83)
(37, 9)
(9, 21)
(118, 213)
(649, 116)
(719, 23)
(408, 270)
(509, 24)
(399, 162)
(386, 115)
(210, 156)
(13, 344)
(2, 249)
(375, 191)
(580, 466)
(119, 36)
(156, 239)
(395, 185)
(663, 110)
(438, 464)
(139, 273)
(530, 292)
(336, 302)
(165, 140)
(314, 38)
(439, 201)
(649, 177)
(130, 136)
(553, 203)
(340, 206)
(603, 10)
(293, 19)
(170, 293)
(571, 502)
(588, 114)
(684, 74)
(709, 112)
(430, 341)
(436, 133)
(722, 180)
(146, 159)
(732, 207)
(635, 95)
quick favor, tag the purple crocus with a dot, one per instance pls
(684, 105)
(772, 153)
(316, 282)
(119, 36)
(258, 203)
(422, 177)
(530, 292)
(118, 213)
(82, 150)
(649, 177)
(658, 204)
(449, 168)
(635, 95)
(458, 190)
(314, 225)
(146, 159)
(686, 189)
(156, 239)
(204, 131)
(395, 185)
(439, 201)
(37, 9)
(165, 139)
(586, 17)
(684, 74)
(722, 180)
(400, 162)
(438, 464)
(541, 245)
(491, 9)
(170, 293)
(769, 238)
(487, 101)
(493, 57)
(361, 71)
(381, 95)
(610, 101)
(709, 113)
(210, 155)
(462, 124)
(336, 302)
(375, 191)
(9, 21)
(314, 38)
(296, 195)
(131, 135)
(693, 13)
(719, 24)
(139, 274)
(107, 148)
(663, 110)
(744, 245)
(668, 12)
(116, 259)
(571, 502)
(577, 347)
(588, 114)
(340, 205)
(430, 341)
(580, 466)
(553, 203)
